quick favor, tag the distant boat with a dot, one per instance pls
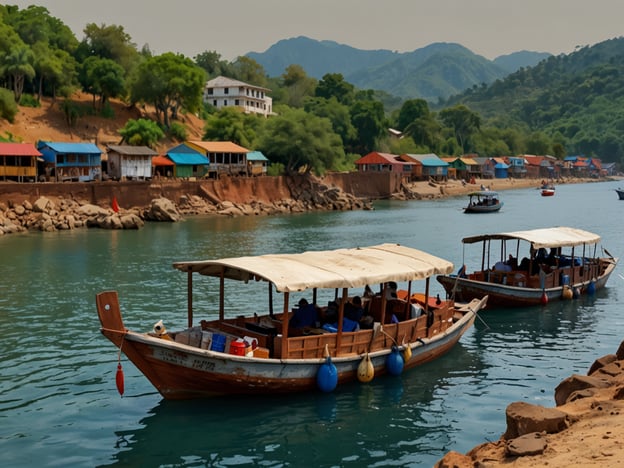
(539, 277)
(483, 201)
(548, 190)
(620, 193)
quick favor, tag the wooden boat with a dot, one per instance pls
(538, 278)
(263, 355)
(620, 193)
(484, 201)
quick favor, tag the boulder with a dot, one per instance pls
(525, 418)
(42, 205)
(575, 383)
(162, 209)
(528, 444)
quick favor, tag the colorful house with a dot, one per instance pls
(188, 162)
(18, 162)
(517, 168)
(432, 166)
(129, 162)
(81, 162)
(379, 162)
(257, 163)
(162, 166)
(225, 157)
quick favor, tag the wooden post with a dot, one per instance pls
(189, 293)
(285, 320)
(221, 294)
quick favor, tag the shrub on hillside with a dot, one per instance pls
(141, 132)
(8, 106)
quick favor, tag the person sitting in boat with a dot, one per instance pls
(354, 310)
(512, 262)
(305, 316)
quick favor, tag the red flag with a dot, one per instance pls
(115, 205)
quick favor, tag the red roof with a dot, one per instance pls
(19, 149)
(379, 158)
(161, 161)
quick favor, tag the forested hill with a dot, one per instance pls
(437, 70)
(579, 96)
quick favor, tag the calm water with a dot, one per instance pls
(58, 401)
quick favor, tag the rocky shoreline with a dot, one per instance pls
(585, 429)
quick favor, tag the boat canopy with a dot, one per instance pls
(342, 268)
(483, 193)
(543, 238)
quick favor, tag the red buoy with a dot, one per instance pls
(544, 299)
(119, 379)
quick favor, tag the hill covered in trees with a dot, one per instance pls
(436, 71)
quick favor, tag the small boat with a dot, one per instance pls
(620, 193)
(260, 353)
(548, 190)
(539, 277)
(484, 201)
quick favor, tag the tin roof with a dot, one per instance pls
(62, 147)
(133, 150)
(18, 149)
(219, 146)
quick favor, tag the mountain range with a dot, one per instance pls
(434, 72)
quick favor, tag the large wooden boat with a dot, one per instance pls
(483, 201)
(537, 278)
(262, 354)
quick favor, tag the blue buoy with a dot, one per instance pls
(394, 362)
(327, 376)
(591, 288)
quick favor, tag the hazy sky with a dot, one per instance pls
(235, 27)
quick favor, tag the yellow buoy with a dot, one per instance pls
(567, 292)
(407, 352)
(366, 371)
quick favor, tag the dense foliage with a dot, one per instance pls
(565, 104)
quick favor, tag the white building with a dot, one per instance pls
(223, 92)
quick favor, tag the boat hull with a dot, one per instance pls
(620, 194)
(180, 371)
(483, 209)
(548, 192)
(501, 295)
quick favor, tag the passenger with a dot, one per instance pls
(391, 291)
(354, 310)
(305, 316)
(512, 262)
(368, 292)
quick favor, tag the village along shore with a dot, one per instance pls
(128, 205)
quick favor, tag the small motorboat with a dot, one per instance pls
(548, 190)
(483, 201)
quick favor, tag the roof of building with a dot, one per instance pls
(18, 149)
(186, 159)
(62, 147)
(132, 150)
(224, 82)
(256, 156)
(429, 159)
(219, 146)
(376, 157)
(162, 161)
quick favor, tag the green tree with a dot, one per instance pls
(102, 77)
(8, 107)
(463, 122)
(169, 82)
(298, 85)
(369, 120)
(232, 124)
(248, 70)
(110, 42)
(141, 132)
(334, 85)
(338, 114)
(301, 142)
(411, 110)
(17, 64)
(212, 64)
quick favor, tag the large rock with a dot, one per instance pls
(575, 383)
(525, 418)
(162, 209)
(526, 445)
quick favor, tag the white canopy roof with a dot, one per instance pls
(543, 238)
(342, 268)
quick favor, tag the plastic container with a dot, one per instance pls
(237, 347)
(565, 280)
(218, 342)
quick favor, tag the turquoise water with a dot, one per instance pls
(59, 405)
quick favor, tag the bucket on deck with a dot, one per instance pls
(238, 347)
(218, 342)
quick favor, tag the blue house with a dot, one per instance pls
(81, 162)
(432, 166)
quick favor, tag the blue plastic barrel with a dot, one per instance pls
(218, 342)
